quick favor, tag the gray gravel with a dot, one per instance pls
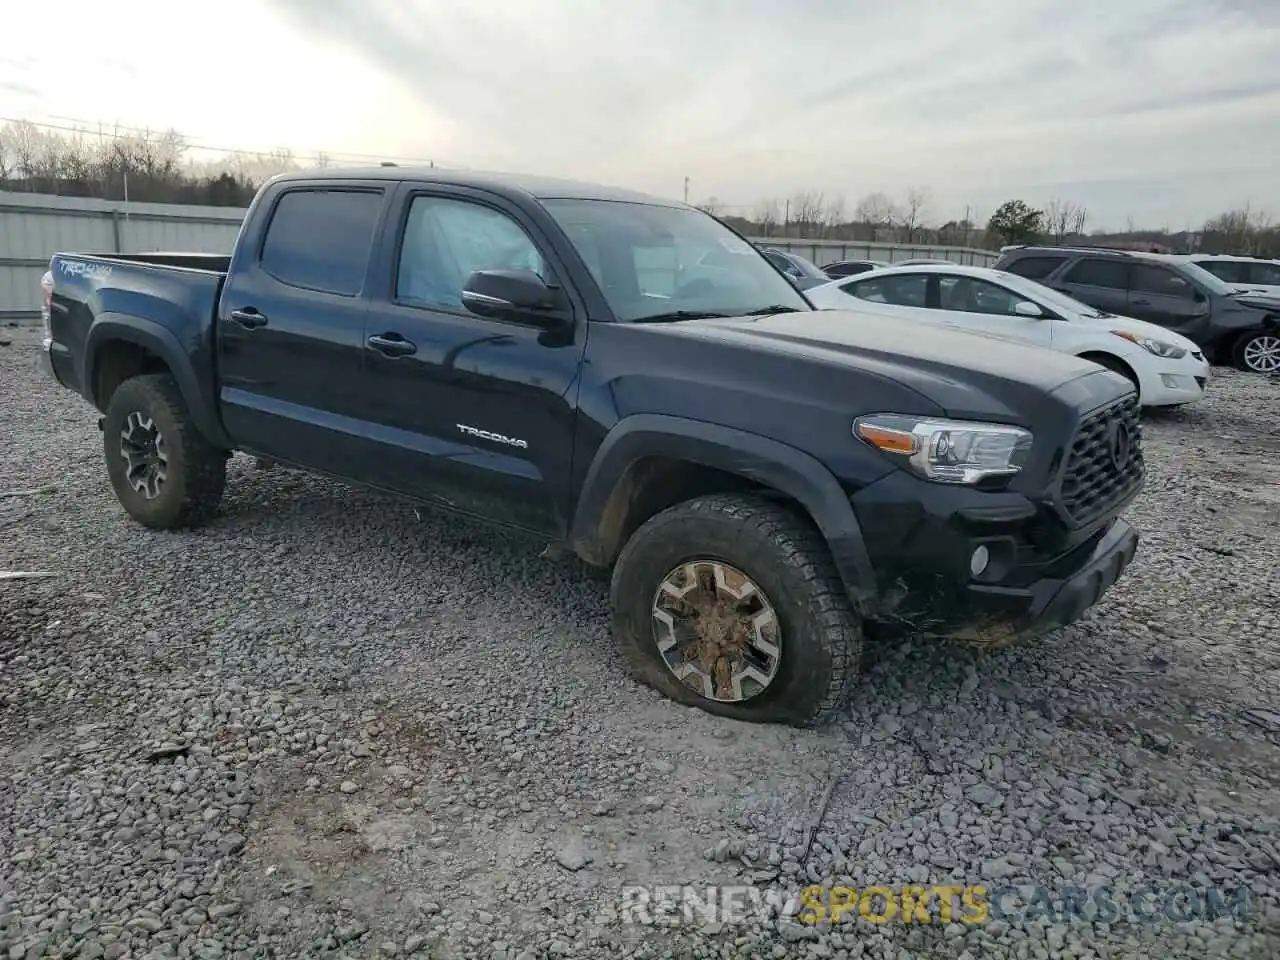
(331, 725)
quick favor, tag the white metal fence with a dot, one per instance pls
(35, 226)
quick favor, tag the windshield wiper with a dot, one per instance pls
(672, 315)
(776, 308)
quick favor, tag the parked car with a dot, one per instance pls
(1167, 369)
(851, 268)
(1228, 326)
(801, 272)
(1245, 274)
(760, 478)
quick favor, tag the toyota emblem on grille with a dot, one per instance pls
(1118, 444)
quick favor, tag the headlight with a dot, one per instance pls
(948, 451)
(1158, 347)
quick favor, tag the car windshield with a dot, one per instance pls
(657, 262)
(807, 267)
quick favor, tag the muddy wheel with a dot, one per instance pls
(733, 605)
(164, 473)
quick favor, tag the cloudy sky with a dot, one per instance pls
(1163, 111)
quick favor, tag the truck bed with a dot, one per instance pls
(169, 298)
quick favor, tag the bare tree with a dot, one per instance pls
(806, 212)
(1243, 231)
(767, 217)
(833, 216)
(1063, 219)
(711, 205)
(877, 211)
(912, 212)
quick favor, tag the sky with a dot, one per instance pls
(1159, 113)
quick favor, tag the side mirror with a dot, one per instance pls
(1025, 308)
(518, 295)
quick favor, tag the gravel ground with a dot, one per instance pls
(331, 725)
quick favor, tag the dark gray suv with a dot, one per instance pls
(1237, 328)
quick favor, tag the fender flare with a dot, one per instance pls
(750, 456)
(159, 340)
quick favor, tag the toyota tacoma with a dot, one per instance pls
(759, 480)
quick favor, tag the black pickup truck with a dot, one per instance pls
(762, 479)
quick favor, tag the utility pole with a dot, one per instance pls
(686, 189)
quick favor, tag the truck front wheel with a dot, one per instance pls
(165, 474)
(733, 605)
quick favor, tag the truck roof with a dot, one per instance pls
(538, 188)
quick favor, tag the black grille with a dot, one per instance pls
(1093, 482)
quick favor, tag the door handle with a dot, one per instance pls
(249, 318)
(393, 345)
(1142, 302)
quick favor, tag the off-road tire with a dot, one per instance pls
(788, 559)
(196, 470)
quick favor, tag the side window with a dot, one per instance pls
(1035, 268)
(1158, 280)
(971, 295)
(1267, 274)
(321, 239)
(1225, 270)
(902, 290)
(447, 240)
(1099, 273)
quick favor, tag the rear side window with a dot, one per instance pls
(321, 239)
(1228, 271)
(1099, 273)
(1034, 268)
(901, 290)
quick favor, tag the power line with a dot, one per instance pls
(86, 128)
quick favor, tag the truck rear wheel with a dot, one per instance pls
(165, 474)
(733, 605)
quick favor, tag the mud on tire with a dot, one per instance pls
(187, 488)
(785, 557)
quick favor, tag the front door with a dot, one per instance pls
(969, 303)
(290, 325)
(475, 413)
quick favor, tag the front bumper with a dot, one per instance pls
(1004, 613)
(1174, 382)
(1041, 573)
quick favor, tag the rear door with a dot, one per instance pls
(291, 320)
(1101, 283)
(475, 413)
(1159, 295)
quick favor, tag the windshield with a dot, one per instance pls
(807, 267)
(671, 262)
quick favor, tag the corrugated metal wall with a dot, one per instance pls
(33, 227)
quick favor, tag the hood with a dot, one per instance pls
(969, 375)
(1139, 328)
(1259, 301)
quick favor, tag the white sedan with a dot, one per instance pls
(1167, 368)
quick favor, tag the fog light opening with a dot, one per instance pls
(979, 560)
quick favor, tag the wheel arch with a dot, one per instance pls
(648, 462)
(119, 347)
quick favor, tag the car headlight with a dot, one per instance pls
(1158, 347)
(948, 451)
